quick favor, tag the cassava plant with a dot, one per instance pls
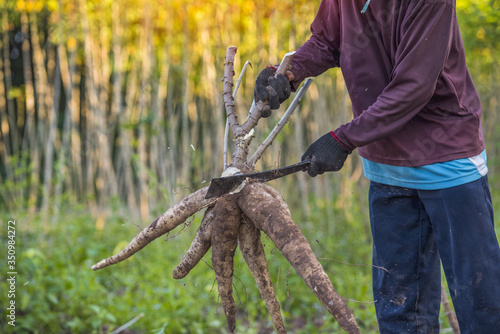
(238, 218)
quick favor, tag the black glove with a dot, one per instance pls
(270, 88)
(327, 154)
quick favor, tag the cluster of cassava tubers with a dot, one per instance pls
(238, 219)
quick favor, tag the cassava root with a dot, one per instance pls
(199, 247)
(271, 215)
(224, 243)
(169, 220)
(240, 218)
(255, 257)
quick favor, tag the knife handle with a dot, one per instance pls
(298, 167)
(277, 173)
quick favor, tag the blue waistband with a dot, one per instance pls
(439, 175)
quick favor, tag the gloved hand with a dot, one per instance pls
(270, 88)
(327, 154)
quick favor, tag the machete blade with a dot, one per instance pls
(223, 185)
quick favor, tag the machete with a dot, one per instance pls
(223, 185)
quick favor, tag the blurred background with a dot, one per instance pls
(111, 111)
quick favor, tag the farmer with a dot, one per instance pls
(417, 127)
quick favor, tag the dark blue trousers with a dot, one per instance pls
(412, 230)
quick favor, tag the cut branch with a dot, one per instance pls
(240, 78)
(226, 130)
(256, 113)
(242, 133)
(281, 124)
(228, 91)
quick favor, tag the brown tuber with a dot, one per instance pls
(224, 243)
(263, 205)
(199, 247)
(255, 257)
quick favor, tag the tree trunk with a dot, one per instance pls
(144, 102)
(49, 148)
(29, 148)
(5, 130)
(67, 72)
(14, 140)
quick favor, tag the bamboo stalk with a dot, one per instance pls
(105, 176)
(29, 148)
(14, 141)
(210, 93)
(144, 100)
(172, 124)
(76, 181)
(160, 125)
(88, 113)
(120, 56)
(156, 175)
(67, 72)
(116, 100)
(43, 90)
(185, 148)
(49, 148)
(126, 136)
(5, 145)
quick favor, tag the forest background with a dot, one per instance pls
(111, 111)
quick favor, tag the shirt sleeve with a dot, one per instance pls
(419, 61)
(321, 51)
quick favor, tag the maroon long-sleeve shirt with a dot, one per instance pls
(403, 62)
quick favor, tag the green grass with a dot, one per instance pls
(57, 292)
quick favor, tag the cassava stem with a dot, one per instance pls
(241, 132)
(228, 91)
(172, 218)
(199, 247)
(256, 112)
(281, 124)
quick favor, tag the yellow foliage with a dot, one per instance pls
(72, 44)
(480, 33)
(20, 5)
(52, 5)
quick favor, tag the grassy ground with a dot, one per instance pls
(57, 292)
